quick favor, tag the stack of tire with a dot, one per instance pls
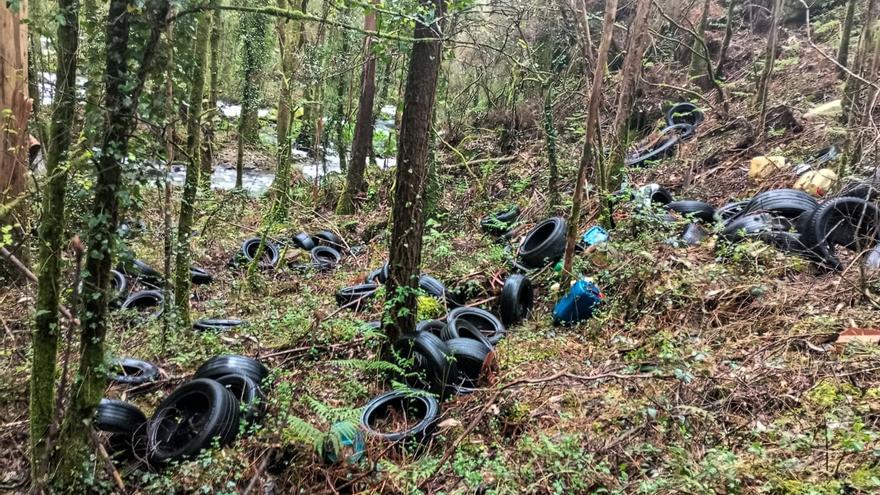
(356, 296)
(793, 221)
(224, 394)
(325, 250)
(681, 122)
(133, 272)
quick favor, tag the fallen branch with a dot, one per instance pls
(30, 276)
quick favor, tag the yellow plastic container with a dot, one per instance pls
(816, 182)
(762, 167)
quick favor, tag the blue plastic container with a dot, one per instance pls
(579, 304)
(349, 444)
(595, 235)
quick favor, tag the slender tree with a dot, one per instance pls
(47, 325)
(120, 102)
(725, 44)
(288, 32)
(254, 30)
(91, 58)
(207, 159)
(588, 153)
(363, 127)
(408, 216)
(191, 183)
(769, 62)
(845, 36)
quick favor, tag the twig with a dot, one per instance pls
(111, 469)
(30, 276)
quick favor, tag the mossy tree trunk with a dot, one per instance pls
(845, 36)
(588, 154)
(207, 159)
(725, 44)
(191, 183)
(91, 60)
(47, 324)
(408, 216)
(120, 103)
(287, 34)
(769, 62)
(339, 111)
(253, 29)
(550, 145)
(363, 127)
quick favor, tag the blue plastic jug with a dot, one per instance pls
(578, 304)
(595, 235)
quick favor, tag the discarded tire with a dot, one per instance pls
(124, 423)
(247, 252)
(490, 326)
(789, 203)
(430, 356)
(146, 299)
(118, 287)
(199, 276)
(232, 365)
(471, 358)
(191, 419)
(862, 190)
(731, 210)
(499, 223)
(849, 222)
(219, 325)
(330, 239)
(641, 158)
(252, 402)
(684, 113)
(325, 258)
(460, 328)
(130, 371)
(517, 299)
(693, 209)
(355, 297)
(784, 241)
(303, 241)
(437, 290)
(142, 271)
(753, 224)
(431, 326)
(423, 409)
(544, 244)
(378, 276)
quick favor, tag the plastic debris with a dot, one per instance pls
(764, 166)
(579, 304)
(594, 235)
(816, 182)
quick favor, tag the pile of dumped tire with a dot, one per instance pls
(442, 358)
(682, 120)
(325, 250)
(788, 219)
(224, 398)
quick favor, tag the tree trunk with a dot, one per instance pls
(45, 337)
(408, 220)
(340, 117)
(191, 183)
(587, 157)
(853, 86)
(120, 102)
(845, 35)
(91, 58)
(286, 44)
(700, 65)
(363, 128)
(207, 159)
(14, 143)
(769, 62)
(612, 170)
(550, 143)
(253, 28)
(725, 45)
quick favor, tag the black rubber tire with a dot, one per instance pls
(132, 371)
(752, 225)
(864, 190)
(836, 222)
(431, 326)
(199, 276)
(823, 156)
(488, 324)
(437, 290)
(142, 271)
(325, 258)
(424, 407)
(146, 299)
(118, 288)
(683, 131)
(251, 400)
(190, 419)
(731, 210)
(124, 423)
(497, 224)
(517, 299)
(232, 364)
(463, 329)
(216, 325)
(330, 239)
(660, 151)
(789, 203)
(378, 276)
(271, 253)
(356, 296)
(658, 194)
(685, 113)
(303, 241)
(430, 355)
(544, 244)
(470, 357)
(785, 241)
(697, 209)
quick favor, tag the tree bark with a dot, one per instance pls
(207, 159)
(845, 36)
(286, 43)
(363, 128)
(120, 103)
(408, 219)
(191, 183)
(91, 57)
(725, 45)
(550, 144)
(253, 32)
(45, 336)
(700, 65)
(769, 62)
(587, 155)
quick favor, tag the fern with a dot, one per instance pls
(299, 430)
(374, 366)
(332, 414)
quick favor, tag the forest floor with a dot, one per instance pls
(703, 373)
